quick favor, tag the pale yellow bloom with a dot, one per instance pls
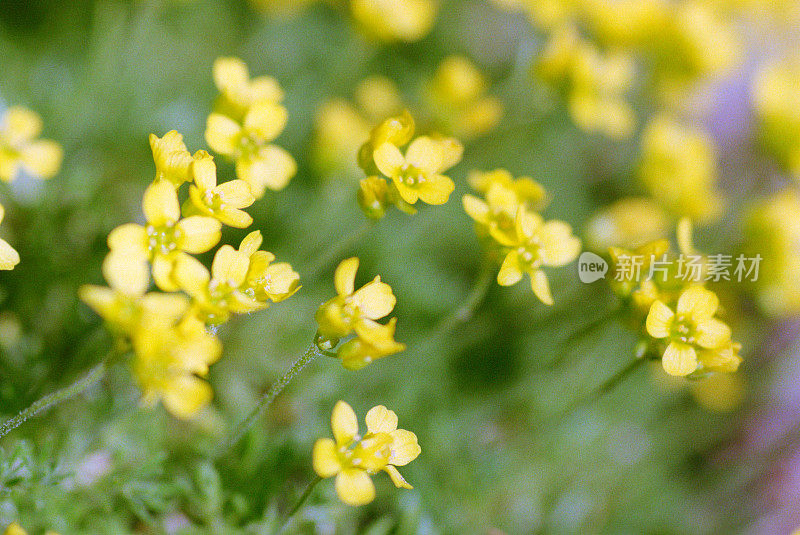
(378, 98)
(21, 151)
(395, 20)
(629, 222)
(223, 202)
(9, 257)
(238, 92)
(776, 95)
(171, 157)
(353, 459)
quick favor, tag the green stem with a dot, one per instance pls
(277, 387)
(300, 502)
(328, 257)
(50, 400)
(470, 304)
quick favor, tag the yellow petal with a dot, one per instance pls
(398, 480)
(425, 154)
(185, 395)
(191, 275)
(204, 171)
(697, 303)
(265, 120)
(230, 266)
(355, 487)
(126, 274)
(659, 320)
(541, 287)
(679, 359)
(230, 74)
(436, 189)
(375, 299)
(344, 277)
(222, 133)
(42, 158)
(99, 298)
(251, 243)
(527, 223)
(476, 209)
(325, 458)
(712, 333)
(160, 204)
(162, 268)
(9, 257)
(236, 193)
(15, 529)
(408, 194)
(272, 167)
(198, 234)
(130, 238)
(510, 271)
(558, 246)
(381, 420)
(168, 307)
(21, 124)
(234, 217)
(405, 447)
(344, 423)
(389, 159)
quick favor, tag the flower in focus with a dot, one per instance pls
(353, 459)
(9, 257)
(695, 338)
(247, 118)
(21, 151)
(166, 236)
(171, 157)
(536, 244)
(395, 20)
(223, 202)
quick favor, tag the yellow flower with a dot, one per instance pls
(20, 151)
(372, 342)
(241, 281)
(536, 244)
(339, 133)
(353, 459)
(165, 236)
(125, 306)
(238, 92)
(171, 157)
(16, 529)
(169, 362)
(776, 92)
(629, 222)
(340, 315)
(417, 175)
(9, 257)
(395, 20)
(258, 162)
(397, 130)
(378, 98)
(223, 202)
(690, 330)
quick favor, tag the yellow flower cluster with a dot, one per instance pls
(413, 176)
(354, 312)
(247, 117)
(507, 219)
(457, 99)
(21, 151)
(16, 529)
(395, 20)
(679, 168)
(776, 96)
(353, 458)
(595, 82)
(167, 331)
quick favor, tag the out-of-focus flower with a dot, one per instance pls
(679, 168)
(9, 257)
(353, 459)
(21, 151)
(629, 222)
(238, 92)
(720, 392)
(16, 529)
(166, 236)
(395, 20)
(223, 202)
(536, 244)
(457, 99)
(339, 132)
(696, 340)
(377, 98)
(776, 95)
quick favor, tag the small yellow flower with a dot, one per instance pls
(125, 306)
(237, 91)
(20, 151)
(353, 459)
(170, 362)
(9, 257)
(396, 130)
(224, 201)
(395, 20)
(691, 330)
(165, 236)
(418, 174)
(536, 244)
(339, 133)
(378, 97)
(372, 342)
(340, 315)
(171, 157)
(265, 279)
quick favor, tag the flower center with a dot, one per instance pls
(683, 330)
(214, 200)
(162, 239)
(411, 175)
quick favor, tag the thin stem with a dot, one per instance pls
(50, 400)
(328, 257)
(300, 502)
(277, 387)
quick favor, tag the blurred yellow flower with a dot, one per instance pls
(21, 151)
(629, 222)
(395, 20)
(9, 257)
(535, 244)
(353, 459)
(238, 93)
(776, 95)
(16, 529)
(165, 236)
(696, 339)
(223, 202)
